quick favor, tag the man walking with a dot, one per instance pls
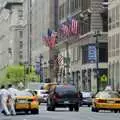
(12, 92)
(4, 99)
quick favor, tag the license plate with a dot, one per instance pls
(66, 102)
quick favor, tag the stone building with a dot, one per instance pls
(11, 44)
(114, 43)
(92, 16)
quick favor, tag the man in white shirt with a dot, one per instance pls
(4, 99)
(12, 92)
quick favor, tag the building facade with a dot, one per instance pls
(4, 54)
(12, 49)
(114, 43)
(42, 19)
(92, 16)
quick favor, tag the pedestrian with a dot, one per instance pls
(4, 100)
(12, 92)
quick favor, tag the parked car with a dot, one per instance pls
(26, 101)
(106, 100)
(63, 96)
(86, 99)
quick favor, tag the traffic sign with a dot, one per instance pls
(104, 78)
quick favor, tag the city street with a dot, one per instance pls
(64, 114)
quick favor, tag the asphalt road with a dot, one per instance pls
(64, 114)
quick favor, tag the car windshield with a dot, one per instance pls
(108, 95)
(65, 89)
(44, 92)
(86, 94)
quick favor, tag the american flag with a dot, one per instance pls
(59, 59)
(74, 26)
(64, 29)
(52, 40)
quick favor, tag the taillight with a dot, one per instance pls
(101, 101)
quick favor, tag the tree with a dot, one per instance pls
(16, 74)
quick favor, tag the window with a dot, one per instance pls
(103, 52)
(21, 34)
(76, 4)
(85, 4)
(72, 55)
(20, 14)
(67, 7)
(84, 54)
(72, 6)
(21, 56)
(21, 44)
(78, 52)
(117, 41)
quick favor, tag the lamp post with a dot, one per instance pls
(96, 35)
(40, 63)
(44, 71)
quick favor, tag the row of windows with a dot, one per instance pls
(114, 17)
(71, 6)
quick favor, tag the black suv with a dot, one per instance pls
(63, 96)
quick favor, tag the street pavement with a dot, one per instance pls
(63, 114)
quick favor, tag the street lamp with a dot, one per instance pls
(40, 63)
(96, 35)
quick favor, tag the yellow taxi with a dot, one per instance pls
(106, 100)
(26, 101)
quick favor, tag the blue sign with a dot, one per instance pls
(92, 53)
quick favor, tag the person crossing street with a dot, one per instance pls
(4, 100)
(12, 92)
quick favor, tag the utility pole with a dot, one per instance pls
(96, 35)
(29, 26)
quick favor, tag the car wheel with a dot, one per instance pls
(76, 108)
(48, 108)
(26, 112)
(70, 108)
(94, 109)
(88, 105)
(35, 111)
(115, 111)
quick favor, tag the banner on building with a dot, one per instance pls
(92, 53)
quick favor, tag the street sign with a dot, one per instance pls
(103, 78)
